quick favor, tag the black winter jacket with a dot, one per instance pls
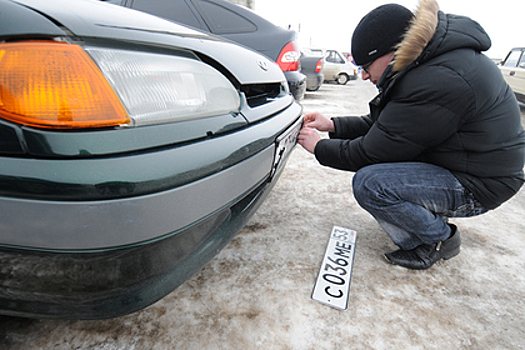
(447, 104)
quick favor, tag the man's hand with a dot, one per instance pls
(308, 138)
(318, 121)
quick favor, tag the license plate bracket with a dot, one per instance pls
(285, 144)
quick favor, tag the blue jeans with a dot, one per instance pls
(413, 201)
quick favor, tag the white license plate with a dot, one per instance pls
(333, 282)
(285, 144)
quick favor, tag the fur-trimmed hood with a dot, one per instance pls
(431, 33)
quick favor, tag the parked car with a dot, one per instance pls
(132, 150)
(337, 68)
(236, 23)
(312, 67)
(347, 55)
(513, 70)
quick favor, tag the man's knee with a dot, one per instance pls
(364, 184)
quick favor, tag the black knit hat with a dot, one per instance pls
(379, 31)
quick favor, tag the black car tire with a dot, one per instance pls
(342, 79)
(313, 89)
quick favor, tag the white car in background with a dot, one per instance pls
(513, 70)
(337, 68)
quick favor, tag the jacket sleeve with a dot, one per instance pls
(335, 151)
(350, 127)
(414, 119)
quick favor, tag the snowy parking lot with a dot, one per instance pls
(256, 293)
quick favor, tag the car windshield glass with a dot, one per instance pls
(522, 61)
(512, 59)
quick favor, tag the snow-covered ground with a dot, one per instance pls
(256, 293)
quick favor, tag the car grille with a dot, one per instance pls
(259, 94)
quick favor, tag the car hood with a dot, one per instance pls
(95, 19)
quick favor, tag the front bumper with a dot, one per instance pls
(91, 259)
(114, 282)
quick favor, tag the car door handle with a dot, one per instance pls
(512, 73)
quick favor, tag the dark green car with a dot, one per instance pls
(132, 150)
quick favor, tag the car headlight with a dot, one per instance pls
(65, 89)
(55, 85)
(157, 88)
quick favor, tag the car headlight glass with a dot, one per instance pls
(158, 88)
(55, 85)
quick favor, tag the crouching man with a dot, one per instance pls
(443, 137)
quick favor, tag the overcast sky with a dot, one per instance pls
(330, 23)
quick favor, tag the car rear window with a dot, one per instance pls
(177, 11)
(334, 57)
(223, 21)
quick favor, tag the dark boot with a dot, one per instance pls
(424, 256)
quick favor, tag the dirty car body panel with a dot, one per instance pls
(101, 221)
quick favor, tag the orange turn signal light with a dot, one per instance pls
(55, 85)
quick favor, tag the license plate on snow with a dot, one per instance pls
(285, 144)
(333, 282)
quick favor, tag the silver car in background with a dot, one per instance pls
(337, 68)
